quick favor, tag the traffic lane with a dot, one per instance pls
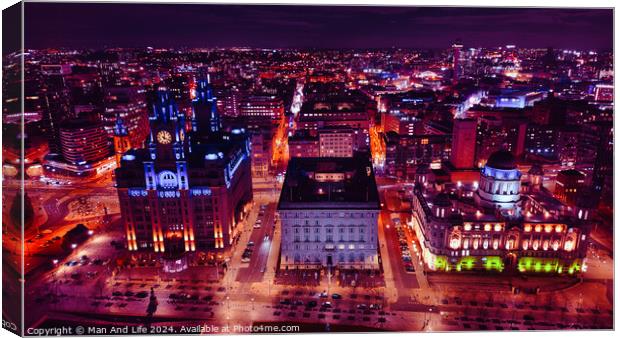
(261, 254)
(416, 256)
(252, 272)
(401, 277)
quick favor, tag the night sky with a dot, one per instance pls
(180, 25)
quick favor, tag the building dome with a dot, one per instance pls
(500, 184)
(503, 160)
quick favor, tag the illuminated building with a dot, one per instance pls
(401, 123)
(338, 142)
(178, 85)
(329, 208)
(483, 226)
(228, 101)
(57, 102)
(262, 108)
(121, 140)
(540, 140)
(518, 98)
(456, 61)
(567, 145)
(185, 192)
(85, 149)
(261, 155)
(404, 153)
(336, 112)
(497, 133)
(500, 184)
(303, 144)
(604, 92)
(569, 184)
(128, 103)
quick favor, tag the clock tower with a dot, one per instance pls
(184, 193)
(167, 137)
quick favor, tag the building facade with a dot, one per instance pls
(329, 209)
(569, 185)
(491, 232)
(85, 150)
(337, 142)
(463, 143)
(187, 190)
(128, 103)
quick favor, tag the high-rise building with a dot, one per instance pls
(83, 141)
(457, 46)
(57, 102)
(541, 141)
(85, 150)
(334, 112)
(128, 103)
(205, 118)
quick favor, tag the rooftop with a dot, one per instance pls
(329, 183)
(503, 160)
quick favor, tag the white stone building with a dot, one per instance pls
(329, 208)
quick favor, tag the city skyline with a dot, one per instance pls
(169, 189)
(301, 26)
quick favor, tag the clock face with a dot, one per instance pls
(182, 135)
(164, 137)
